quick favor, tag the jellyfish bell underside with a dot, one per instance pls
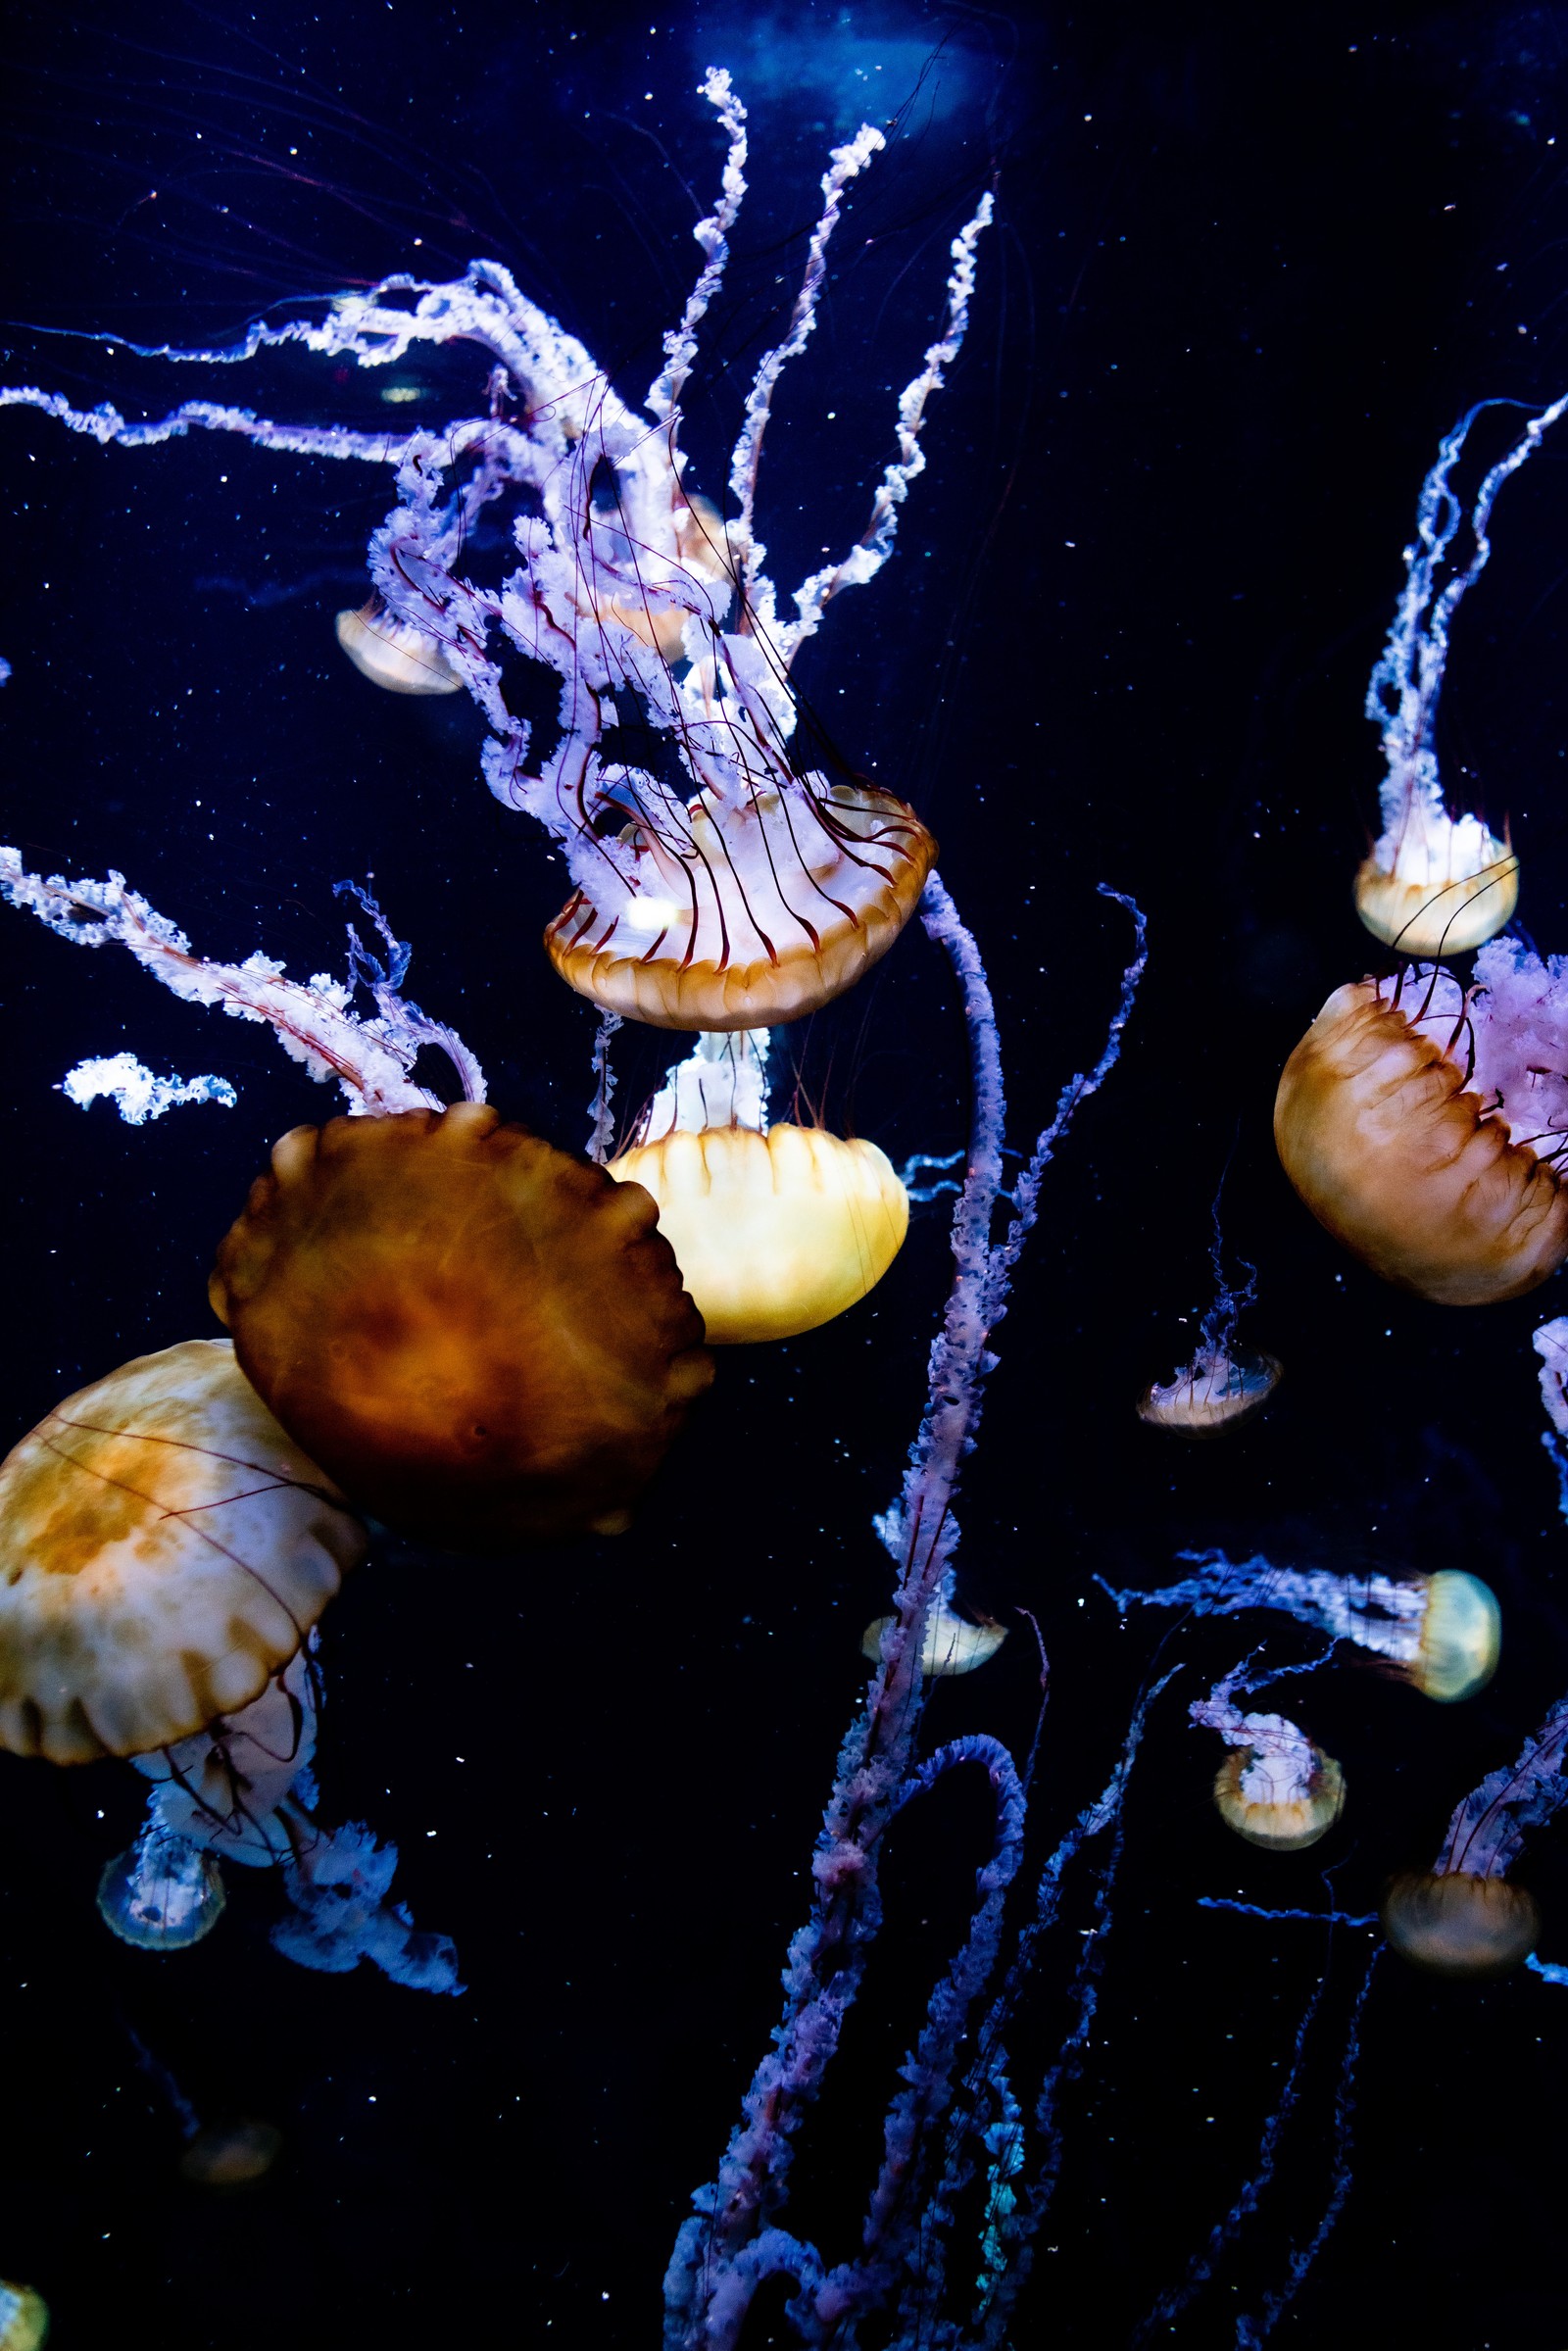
(394, 654)
(1393, 1155)
(165, 1547)
(1269, 1804)
(1455, 1924)
(758, 914)
(486, 1339)
(774, 1233)
(1443, 888)
(1214, 1395)
(162, 1894)
(1461, 1637)
(24, 2318)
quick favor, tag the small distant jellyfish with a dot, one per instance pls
(776, 1228)
(1435, 884)
(1276, 1788)
(1464, 1917)
(394, 654)
(167, 1547)
(230, 2155)
(953, 1643)
(164, 1894)
(1440, 1632)
(24, 2318)
(1224, 1384)
(1423, 1124)
(484, 1341)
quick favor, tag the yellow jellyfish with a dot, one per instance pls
(393, 653)
(1440, 887)
(1407, 1168)
(483, 1340)
(774, 1232)
(1276, 1788)
(953, 1644)
(24, 2318)
(165, 1549)
(1455, 1924)
(1462, 1636)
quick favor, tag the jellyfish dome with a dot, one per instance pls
(24, 2318)
(1461, 1637)
(394, 654)
(1438, 885)
(486, 1340)
(1216, 1392)
(164, 1894)
(1276, 1788)
(1459, 1923)
(167, 1547)
(1421, 1129)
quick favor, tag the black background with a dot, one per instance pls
(1243, 276)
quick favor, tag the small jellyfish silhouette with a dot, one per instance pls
(953, 1643)
(24, 2318)
(1276, 1788)
(1460, 1922)
(226, 2155)
(776, 1228)
(168, 1546)
(484, 1341)
(1415, 1159)
(394, 654)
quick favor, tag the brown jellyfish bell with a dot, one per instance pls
(775, 1232)
(165, 1549)
(1408, 1167)
(747, 912)
(393, 653)
(228, 2155)
(1440, 887)
(1216, 1392)
(484, 1340)
(1454, 1923)
(24, 2318)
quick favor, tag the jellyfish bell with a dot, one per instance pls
(1215, 1393)
(230, 2155)
(165, 1547)
(951, 1643)
(1455, 1924)
(1408, 1168)
(393, 653)
(744, 913)
(486, 1340)
(1461, 1637)
(1271, 1800)
(24, 2318)
(1440, 887)
(162, 1893)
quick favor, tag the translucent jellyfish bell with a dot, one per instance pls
(163, 1895)
(1440, 887)
(1276, 1788)
(24, 2318)
(1461, 1637)
(777, 1231)
(1215, 1393)
(1457, 1924)
(486, 1340)
(953, 1644)
(394, 654)
(1408, 1164)
(167, 1546)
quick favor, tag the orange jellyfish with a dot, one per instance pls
(167, 1547)
(486, 1340)
(1460, 1922)
(1423, 1129)
(776, 1228)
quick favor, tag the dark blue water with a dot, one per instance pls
(1242, 279)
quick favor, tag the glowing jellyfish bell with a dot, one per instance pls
(484, 1341)
(394, 654)
(953, 1643)
(776, 1228)
(1421, 1124)
(1460, 1921)
(1460, 1638)
(1276, 1788)
(1436, 885)
(167, 1547)
(1215, 1393)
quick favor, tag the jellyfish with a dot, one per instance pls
(167, 1547)
(24, 2318)
(1464, 1917)
(951, 1644)
(394, 654)
(1424, 1130)
(1435, 884)
(1224, 1383)
(1440, 1632)
(776, 1228)
(1276, 1788)
(730, 877)
(486, 1340)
